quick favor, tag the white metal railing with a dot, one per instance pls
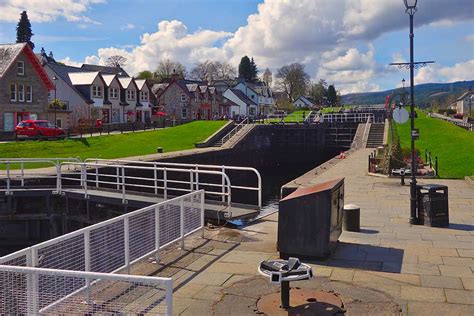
(458, 122)
(365, 136)
(111, 246)
(64, 292)
(347, 117)
(234, 131)
(222, 168)
(127, 179)
(15, 169)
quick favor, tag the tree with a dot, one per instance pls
(245, 69)
(145, 74)
(212, 70)
(267, 77)
(167, 68)
(224, 71)
(318, 91)
(117, 61)
(332, 95)
(23, 30)
(293, 80)
(254, 70)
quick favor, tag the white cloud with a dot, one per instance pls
(48, 10)
(325, 36)
(128, 26)
(68, 61)
(438, 73)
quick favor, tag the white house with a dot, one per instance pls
(113, 113)
(463, 104)
(241, 105)
(131, 99)
(304, 102)
(144, 101)
(258, 93)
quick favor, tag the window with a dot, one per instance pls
(184, 113)
(113, 93)
(29, 94)
(97, 91)
(130, 94)
(21, 93)
(183, 97)
(144, 96)
(21, 68)
(13, 92)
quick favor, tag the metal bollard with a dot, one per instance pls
(402, 176)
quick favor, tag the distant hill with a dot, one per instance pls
(424, 93)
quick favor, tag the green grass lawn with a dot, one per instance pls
(453, 145)
(115, 146)
(296, 116)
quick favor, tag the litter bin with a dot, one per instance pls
(433, 208)
(351, 218)
(310, 220)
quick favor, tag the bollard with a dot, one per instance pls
(402, 176)
(159, 150)
(351, 218)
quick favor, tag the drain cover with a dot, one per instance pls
(302, 302)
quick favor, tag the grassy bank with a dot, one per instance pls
(115, 146)
(453, 145)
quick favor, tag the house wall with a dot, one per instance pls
(241, 109)
(146, 108)
(78, 107)
(173, 105)
(10, 112)
(116, 115)
(132, 104)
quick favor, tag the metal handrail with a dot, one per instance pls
(121, 178)
(222, 168)
(346, 117)
(234, 131)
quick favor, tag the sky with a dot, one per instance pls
(349, 43)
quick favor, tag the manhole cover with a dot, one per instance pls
(302, 302)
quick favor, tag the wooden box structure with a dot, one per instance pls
(310, 220)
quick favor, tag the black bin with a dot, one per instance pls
(310, 220)
(433, 208)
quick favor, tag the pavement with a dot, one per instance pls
(389, 268)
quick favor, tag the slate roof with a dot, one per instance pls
(239, 94)
(463, 96)
(8, 54)
(83, 78)
(158, 86)
(106, 69)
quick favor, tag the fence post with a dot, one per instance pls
(118, 178)
(8, 177)
(22, 167)
(436, 165)
(181, 219)
(126, 237)
(191, 177)
(426, 154)
(155, 179)
(169, 298)
(197, 178)
(87, 261)
(96, 176)
(223, 184)
(58, 178)
(430, 159)
(157, 234)
(32, 283)
(165, 184)
(202, 211)
(123, 185)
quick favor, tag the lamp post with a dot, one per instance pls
(55, 79)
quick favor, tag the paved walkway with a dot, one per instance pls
(424, 271)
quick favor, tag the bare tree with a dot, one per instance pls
(267, 77)
(213, 70)
(116, 61)
(293, 80)
(167, 67)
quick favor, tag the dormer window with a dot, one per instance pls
(183, 97)
(130, 95)
(21, 68)
(97, 91)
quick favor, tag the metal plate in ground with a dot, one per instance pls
(400, 115)
(302, 302)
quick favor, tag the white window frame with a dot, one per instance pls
(130, 95)
(20, 66)
(183, 97)
(96, 91)
(21, 93)
(15, 92)
(144, 96)
(29, 94)
(185, 112)
(113, 93)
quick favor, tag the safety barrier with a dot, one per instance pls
(347, 117)
(109, 247)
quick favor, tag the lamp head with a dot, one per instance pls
(410, 6)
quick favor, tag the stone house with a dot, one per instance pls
(24, 86)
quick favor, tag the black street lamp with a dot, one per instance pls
(410, 6)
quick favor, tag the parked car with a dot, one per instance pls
(38, 128)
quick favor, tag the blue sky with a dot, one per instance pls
(348, 42)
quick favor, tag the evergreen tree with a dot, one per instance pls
(254, 70)
(23, 30)
(245, 68)
(332, 95)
